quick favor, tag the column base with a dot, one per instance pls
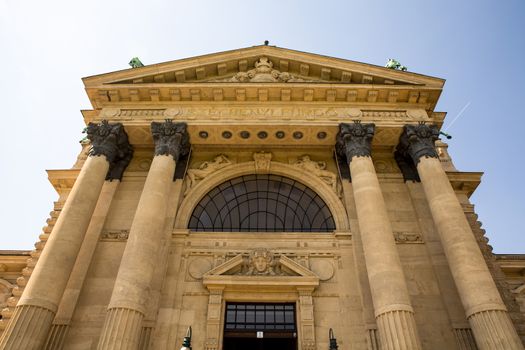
(28, 328)
(397, 330)
(493, 330)
(121, 330)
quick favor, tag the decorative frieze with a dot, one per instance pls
(384, 114)
(270, 112)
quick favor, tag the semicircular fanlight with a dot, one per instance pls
(262, 203)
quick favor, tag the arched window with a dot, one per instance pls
(262, 203)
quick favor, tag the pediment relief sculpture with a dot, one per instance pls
(261, 262)
(205, 169)
(264, 73)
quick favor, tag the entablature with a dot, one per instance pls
(306, 124)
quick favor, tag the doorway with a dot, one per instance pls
(260, 326)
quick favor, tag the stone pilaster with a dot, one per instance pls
(213, 320)
(127, 306)
(484, 308)
(36, 309)
(306, 308)
(392, 308)
(71, 294)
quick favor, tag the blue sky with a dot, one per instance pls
(46, 47)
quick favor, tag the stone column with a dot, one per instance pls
(127, 306)
(392, 308)
(38, 305)
(485, 310)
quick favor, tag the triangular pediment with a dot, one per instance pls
(239, 266)
(261, 269)
(262, 64)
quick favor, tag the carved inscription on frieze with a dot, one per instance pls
(270, 112)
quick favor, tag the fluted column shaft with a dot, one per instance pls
(36, 309)
(127, 306)
(483, 305)
(392, 307)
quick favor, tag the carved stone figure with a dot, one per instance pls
(355, 140)
(261, 262)
(111, 141)
(205, 169)
(318, 169)
(394, 64)
(170, 139)
(262, 162)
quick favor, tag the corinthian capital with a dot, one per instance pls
(170, 139)
(111, 141)
(355, 140)
(418, 141)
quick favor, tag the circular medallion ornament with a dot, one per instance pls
(321, 135)
(227, 134)
(262, 134)
(297, 135)
(322, 268)
(203, 134)
(144, 164)
(279, 134)
(172, 112)
(354, 112)
(198, 267)
(245, 134)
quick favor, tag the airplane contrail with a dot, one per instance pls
(459, 115)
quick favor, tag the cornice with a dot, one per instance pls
(464, 182)
(62, 180)
(211, 93)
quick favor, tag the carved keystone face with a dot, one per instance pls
(260, 263)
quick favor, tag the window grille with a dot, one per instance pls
(262, 203)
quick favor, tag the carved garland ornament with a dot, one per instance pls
(408, 237)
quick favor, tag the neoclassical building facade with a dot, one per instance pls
(264, 196)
